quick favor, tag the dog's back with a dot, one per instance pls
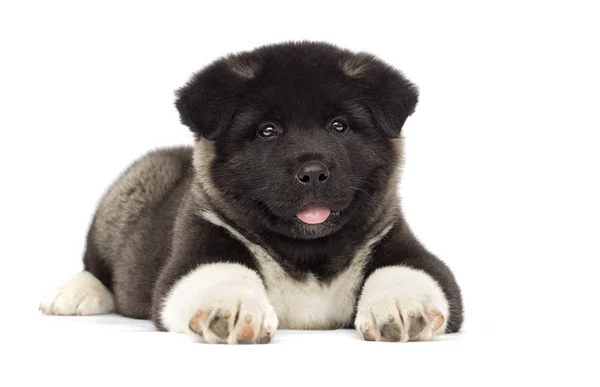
(141, 202)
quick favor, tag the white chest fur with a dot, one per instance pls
(310, 304)
(307, 304)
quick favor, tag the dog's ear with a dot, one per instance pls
(390, 96)
(207, 103)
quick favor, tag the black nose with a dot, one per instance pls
(313, 173)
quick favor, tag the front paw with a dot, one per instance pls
(234, 320)
(398, 319)
(220, 303)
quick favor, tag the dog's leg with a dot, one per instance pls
(82, 294)
(210, 288)
(409, 294)
(401, 304)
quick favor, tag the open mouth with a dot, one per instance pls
(315, 213)
(312, 214)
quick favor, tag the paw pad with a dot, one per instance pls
(236, 325)
(220, 326)
(398, 320)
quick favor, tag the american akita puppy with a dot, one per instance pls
(284, 214)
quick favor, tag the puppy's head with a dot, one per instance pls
(303, 134)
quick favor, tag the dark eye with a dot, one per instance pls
(267, 131)
(339, 126)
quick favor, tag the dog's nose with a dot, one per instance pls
(313, 173)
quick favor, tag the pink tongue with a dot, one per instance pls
(314, 214)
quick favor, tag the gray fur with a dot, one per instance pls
(126, 216)
(144, 184)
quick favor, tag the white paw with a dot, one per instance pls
(401, 304)
(398, 320)
(221, 303)
(83, 294)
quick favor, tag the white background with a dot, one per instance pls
(501, 181)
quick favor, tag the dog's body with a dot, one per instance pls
(285, 214)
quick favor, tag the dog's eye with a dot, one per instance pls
(267, 131)
(339, 126)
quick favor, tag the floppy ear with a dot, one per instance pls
(390, 96)
(207, 103)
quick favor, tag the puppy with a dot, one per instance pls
(283, 215)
